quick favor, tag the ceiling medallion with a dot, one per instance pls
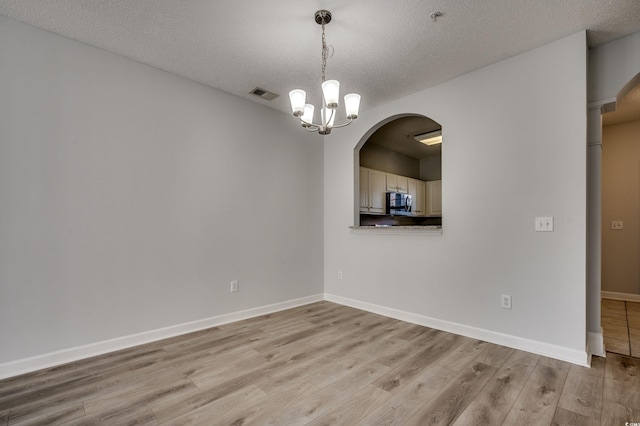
(330, 94)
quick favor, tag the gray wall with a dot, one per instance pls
(612, 66)
(497, 175)
(131, 197)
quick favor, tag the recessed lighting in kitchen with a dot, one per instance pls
(430, 138)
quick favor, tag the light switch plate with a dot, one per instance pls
(617, 224)
(544, 224)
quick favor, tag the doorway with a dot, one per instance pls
(620, 229)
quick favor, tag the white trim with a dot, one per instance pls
(601, 103)
(541, 348)
(21, 366)
(620, 296)
(595, 344)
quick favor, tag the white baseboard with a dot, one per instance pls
(21, 366)
(628, 297)
(541, 348)
(595, 344)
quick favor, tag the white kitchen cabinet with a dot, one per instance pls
(420, 199)
(413, 191)
(364, 190)
(377, 199)
(397, 183)
(372, 191)
(392, 182)
(426, 196)
(416, 189)
(434, 198)
(403, 184)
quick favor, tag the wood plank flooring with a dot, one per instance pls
(621, 326)
(324, 364)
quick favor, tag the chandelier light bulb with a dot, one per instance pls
(307, 117)
(331, 93)
(352, 105)
(297, 98)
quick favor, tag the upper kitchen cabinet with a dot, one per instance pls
(434, 198)
(374, 184)
(417, 190)
(397, 183)
(372, 191)
(364, 190)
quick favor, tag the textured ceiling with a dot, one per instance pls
(383, 49)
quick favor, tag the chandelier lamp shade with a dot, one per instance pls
(330, 95)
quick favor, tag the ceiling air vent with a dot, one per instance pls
(264, 94)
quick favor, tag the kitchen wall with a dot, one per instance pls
(621, 202)
(380, 158)
(431, 168)
(499, 172)
(132, 197)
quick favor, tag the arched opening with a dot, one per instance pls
(398, 179)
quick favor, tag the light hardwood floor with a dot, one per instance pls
(325, 364)
(621, 326)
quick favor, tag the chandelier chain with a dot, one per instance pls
(325, 52)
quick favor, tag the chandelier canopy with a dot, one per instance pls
(330, 95)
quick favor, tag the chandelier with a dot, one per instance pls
(330, 95)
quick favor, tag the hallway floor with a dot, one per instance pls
(621, 327)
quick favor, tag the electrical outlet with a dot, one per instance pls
(617, 224)
(234, 285)
(505, 301)
(339, 275)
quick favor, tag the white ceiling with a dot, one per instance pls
(383, 49)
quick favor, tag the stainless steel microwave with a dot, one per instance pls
(398, 203)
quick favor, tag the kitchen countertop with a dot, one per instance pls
(399, 229)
